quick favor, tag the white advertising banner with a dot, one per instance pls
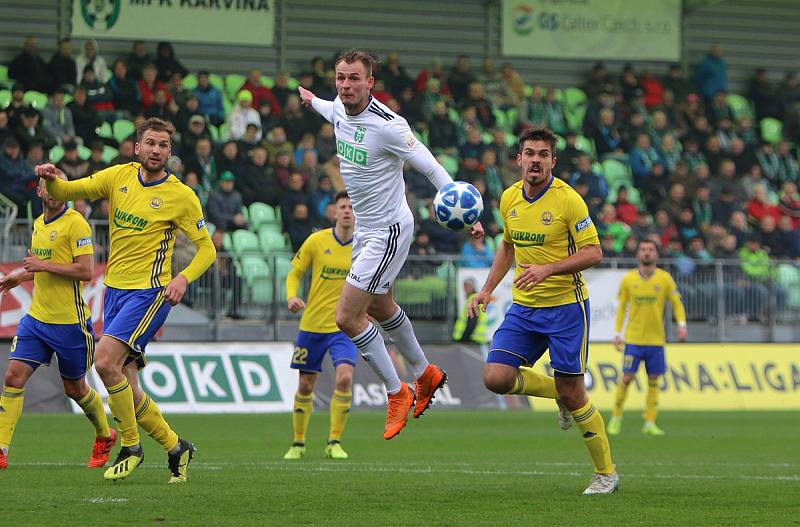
(602, 283)
(592, 29)
(216, 377)
(213, 21)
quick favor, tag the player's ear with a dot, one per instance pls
(136, 148)
(370, 82)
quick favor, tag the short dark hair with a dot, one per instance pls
(647, 240)
(364, 57)
(538, 134)
(155, 124)
(341, 195)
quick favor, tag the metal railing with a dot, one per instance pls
(719, 294)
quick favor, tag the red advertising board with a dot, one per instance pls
(15, 303)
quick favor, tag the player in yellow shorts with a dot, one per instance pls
(643, 294)
(328, 252)
(61, 256)
(147, 205)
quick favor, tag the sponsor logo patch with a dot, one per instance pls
(84, 241)
(201, 223)
(585, 222)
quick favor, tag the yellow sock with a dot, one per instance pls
(148, 416)
(301, 415)
(10, 409)
(120, 400)
(651, 401)
(619, 398)
(92, 406)
(529, 382)
(340, 409)
(593, 429)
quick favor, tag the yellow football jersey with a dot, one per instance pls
(143, 218)
(330, 260)
(544, 229)
(60, 240)
(644, 300)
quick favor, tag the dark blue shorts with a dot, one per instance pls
(653, 356)
(73, 344)
(527, 332)
(133, 316)
(310, 348)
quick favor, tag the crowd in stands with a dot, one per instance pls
(676, 157)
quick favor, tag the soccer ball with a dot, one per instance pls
(458, 206)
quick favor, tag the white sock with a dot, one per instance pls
(399, 328)
(370, 343)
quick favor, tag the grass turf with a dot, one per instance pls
(448, 468)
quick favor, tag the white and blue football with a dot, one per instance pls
(458, 205)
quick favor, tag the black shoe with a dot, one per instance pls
(179, 461)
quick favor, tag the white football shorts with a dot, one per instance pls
(379, 254)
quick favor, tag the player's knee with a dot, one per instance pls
(14, 379)
(344, 383)
(347, 323)
(75, 391)
(105, 366)
(497, 383)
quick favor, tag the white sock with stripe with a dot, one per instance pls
(399, 328)
(373, 350)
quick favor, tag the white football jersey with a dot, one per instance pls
(372, 147)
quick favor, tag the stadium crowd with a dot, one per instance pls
(674, 157)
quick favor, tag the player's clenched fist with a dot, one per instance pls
(47, 171)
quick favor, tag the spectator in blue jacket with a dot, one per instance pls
(642, 159)
(711, 75)
(209, 99)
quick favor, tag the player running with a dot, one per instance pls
(61, 256)
(147, 205)
(372, 143)
(550, 235)
(328, 252)
(643, 294)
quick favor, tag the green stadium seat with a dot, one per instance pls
(788, 279)
(739, 105)
(498, 239)
(123, 129)
(224, 131)
(217, 81)
(245, 213)
(490, 242)
(233, 83)
(68, 98)
(261, 213)
(5, 98)
(227, 241)
(616, 173)
(267, 81)
(211, 228)
(561, 143)
(454, 116)
(771, 130)
(214, 131)
(585, 145)
(190, 81)
(574, 98)
(501, 119)
(35, 98)
(105, 130)
(56, 153)
(528, 90)
(257, 278)
(575, 117)
(411, 291)
(272, 241)
(109, 153)
(450, 164)
(512, 115)
(227, 106)
(511, 141)
(293, 83)
(3, 73)
(487, 138)
(244, 242)
(84, 152)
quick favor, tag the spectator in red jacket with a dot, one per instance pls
(260, 92)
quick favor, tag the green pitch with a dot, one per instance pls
(447, 468)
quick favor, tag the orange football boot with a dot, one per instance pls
(397, 411)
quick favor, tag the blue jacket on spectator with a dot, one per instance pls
(642, 162)
(472, 257)
(16, 174)
(712, 76)
(209, 102)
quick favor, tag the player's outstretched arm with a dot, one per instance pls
(92, 187)
(309, 100)
(503, 259)
(81, 268)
